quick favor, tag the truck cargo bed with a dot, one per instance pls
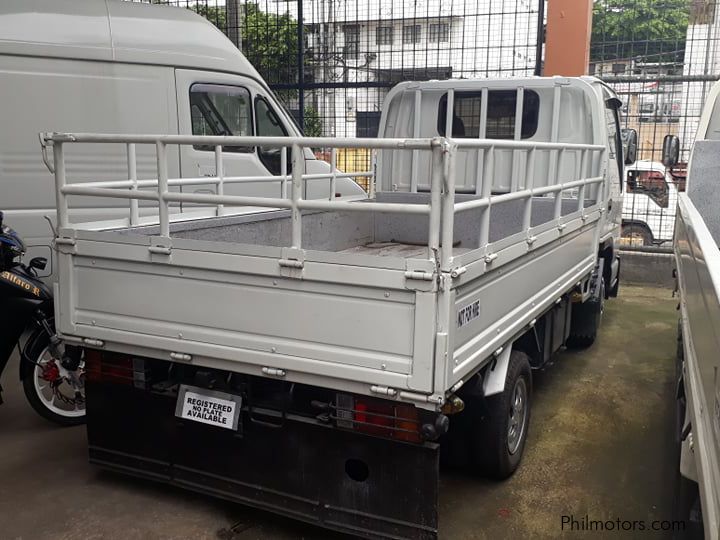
(400, 295)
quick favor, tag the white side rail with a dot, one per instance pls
(441, 208)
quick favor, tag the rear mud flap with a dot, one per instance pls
(368, 486)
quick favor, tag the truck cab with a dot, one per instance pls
(649, 204)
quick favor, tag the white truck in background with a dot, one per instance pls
(697, 257)
(649, 204)
(317, 358)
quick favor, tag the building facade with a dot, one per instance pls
(356, 50)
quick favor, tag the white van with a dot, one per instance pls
(649, 204)
(122, 67)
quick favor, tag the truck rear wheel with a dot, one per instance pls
(585, 320)
(498, 445)
(686, 501)
(635, 235)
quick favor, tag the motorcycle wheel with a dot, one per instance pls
(48, 385)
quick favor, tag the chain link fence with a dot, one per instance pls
(332, 62)
(662, 57)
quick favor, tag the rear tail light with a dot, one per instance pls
(109, 367)
(378, 417)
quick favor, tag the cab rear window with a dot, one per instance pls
(502, 105)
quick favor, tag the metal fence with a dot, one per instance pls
(662, 57)
(332, 62)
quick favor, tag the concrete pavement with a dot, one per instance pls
(600, 445)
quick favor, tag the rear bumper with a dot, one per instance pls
(302, 470)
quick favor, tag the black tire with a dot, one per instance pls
(615, 289)
(686, 501)
(634, 233)
(686, 508)
(680, 401)
(585, 321)
(680, 352)
(495, 453)
(40, 343)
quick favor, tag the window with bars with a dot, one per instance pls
(384, 35)
(411, 33)
(352, 40)
(501, 109)
(439, 33)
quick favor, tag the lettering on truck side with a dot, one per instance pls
(468, 314)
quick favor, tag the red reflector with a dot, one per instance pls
(360, 409)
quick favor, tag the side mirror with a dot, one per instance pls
(670, 151)
(38, 262)
(630, 145)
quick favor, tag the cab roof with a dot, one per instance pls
(117, 31)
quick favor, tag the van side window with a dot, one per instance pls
(221, 110)
(500, 114)
(650, 183)
(268, 124)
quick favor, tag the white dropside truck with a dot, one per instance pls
(317, 358)
(649, 204)
(697, 257)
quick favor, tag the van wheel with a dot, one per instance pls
(585, 320)
(636, 235)
(497, 447)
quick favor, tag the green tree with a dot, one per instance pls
(313, 124)
(214, 14)
(269, 41)
(649, 30)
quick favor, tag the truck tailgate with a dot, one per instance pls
(219, 308)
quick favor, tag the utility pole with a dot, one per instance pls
(234, 22)
(301, 65)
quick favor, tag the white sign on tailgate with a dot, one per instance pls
(208, 406)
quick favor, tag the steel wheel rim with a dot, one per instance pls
(517, 416)
(45, 392)
(635, 238)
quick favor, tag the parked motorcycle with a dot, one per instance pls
(52, 373)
